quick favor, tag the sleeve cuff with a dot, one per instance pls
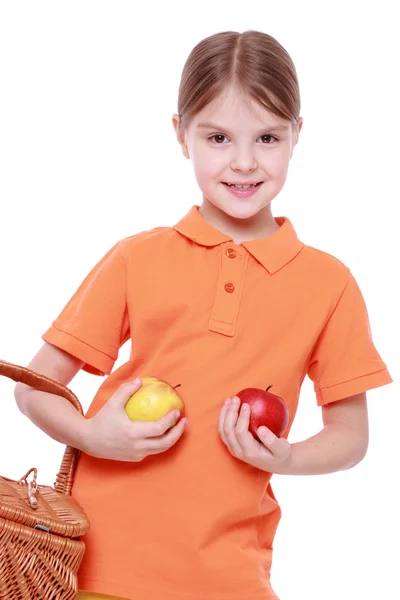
(96, 362)
(352, 387)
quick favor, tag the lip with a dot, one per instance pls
(243, 193)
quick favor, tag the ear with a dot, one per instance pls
(180, 135)
(296, 133)
(300, 121)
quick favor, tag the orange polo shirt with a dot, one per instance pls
(216, 317)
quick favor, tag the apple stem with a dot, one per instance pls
(268, 388)
(178, 385)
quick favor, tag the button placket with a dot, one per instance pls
(229, 290)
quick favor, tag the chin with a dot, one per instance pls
(242, 211)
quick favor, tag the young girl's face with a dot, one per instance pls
(235, 140)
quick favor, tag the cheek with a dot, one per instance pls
(277, 164)
(207, 165)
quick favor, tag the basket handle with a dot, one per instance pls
(65, 476)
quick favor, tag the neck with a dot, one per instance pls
(258, 226)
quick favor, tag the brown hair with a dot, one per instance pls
(252, 62)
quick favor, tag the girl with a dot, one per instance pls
(228, 298)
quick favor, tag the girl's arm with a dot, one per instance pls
(340, 445)
(51, 413)
(110, 433)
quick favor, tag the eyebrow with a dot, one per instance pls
(206, 125)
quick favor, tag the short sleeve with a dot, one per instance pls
(344, 360)
(94, 324)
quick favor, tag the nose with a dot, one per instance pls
(244, 160)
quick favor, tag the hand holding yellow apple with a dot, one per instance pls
(110, 433)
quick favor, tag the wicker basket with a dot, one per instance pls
(40, 526)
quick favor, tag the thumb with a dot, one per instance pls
(266, 436)
(125, 391)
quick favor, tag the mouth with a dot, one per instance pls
(242, 190)
(242, 186)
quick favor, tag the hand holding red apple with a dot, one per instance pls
(270, 452)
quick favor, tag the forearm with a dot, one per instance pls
(336, 447)
(54, 415)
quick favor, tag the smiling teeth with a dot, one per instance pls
(242, 187)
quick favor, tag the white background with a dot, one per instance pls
(88, 156)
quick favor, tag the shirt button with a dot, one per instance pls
(230, 253)
(229, 287)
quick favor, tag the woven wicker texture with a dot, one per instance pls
(40, 549)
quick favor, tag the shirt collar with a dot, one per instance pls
(273, 251)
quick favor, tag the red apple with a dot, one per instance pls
(265, 409)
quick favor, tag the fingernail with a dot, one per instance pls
(228, 401)
(262, 431)
(137, 380)
(176, 414)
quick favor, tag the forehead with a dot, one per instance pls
(232, 108)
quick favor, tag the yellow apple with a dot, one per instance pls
(154, 399)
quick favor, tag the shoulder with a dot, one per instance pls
(324, 277)
(144, 241)
(326, 267)
(149, 236)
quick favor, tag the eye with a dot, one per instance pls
(267, 135)
(217, 135)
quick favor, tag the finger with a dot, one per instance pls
(243, 421)
(149, 429)
(246, 439)
(229, 425)
(268, 439)
(124, 392)
(221, 420)
(155, 445)
(280, 448)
